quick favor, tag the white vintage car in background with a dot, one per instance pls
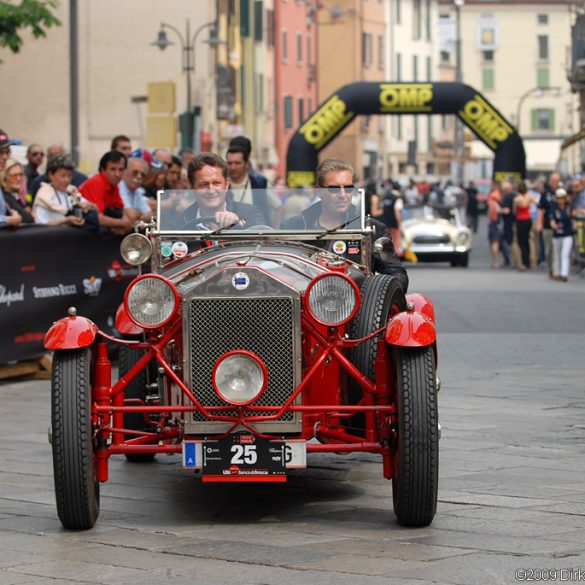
(436, 234)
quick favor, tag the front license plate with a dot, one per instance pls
(243, 457)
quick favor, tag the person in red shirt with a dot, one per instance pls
(102, 189)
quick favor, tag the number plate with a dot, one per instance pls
(244, 457)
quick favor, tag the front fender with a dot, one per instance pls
(410, 329)
(71, 333)
(422, 304)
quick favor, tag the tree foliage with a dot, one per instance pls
(34, 14)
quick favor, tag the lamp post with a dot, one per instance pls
(537, 91)
(187, 43)
(458, 4)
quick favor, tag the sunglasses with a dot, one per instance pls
(15, 175)
(37, 154)
(349, 189)
(136, 173)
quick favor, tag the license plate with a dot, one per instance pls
(243, 457)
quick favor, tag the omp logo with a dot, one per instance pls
(326, 122)
(485, 121)
(405, 97)
(300, 178)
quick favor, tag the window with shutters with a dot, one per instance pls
(543, 120)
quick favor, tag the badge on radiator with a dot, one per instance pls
(240, 281)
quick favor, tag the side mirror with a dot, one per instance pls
(383, 249)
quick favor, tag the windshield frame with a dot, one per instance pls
(264, 232)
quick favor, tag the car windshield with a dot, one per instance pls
(267, 211)
(430, 213)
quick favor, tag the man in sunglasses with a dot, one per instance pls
(336, 181)
(34, 156)
(132, 191)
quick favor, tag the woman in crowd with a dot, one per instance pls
(521, 210)
(562, 226)
(58, 202)
(11, 182)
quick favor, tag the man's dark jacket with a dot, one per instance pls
(309, 219)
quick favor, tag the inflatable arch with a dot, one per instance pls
(369, 98)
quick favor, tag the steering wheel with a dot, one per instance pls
(260, 227)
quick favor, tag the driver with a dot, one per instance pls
(336, 181)
(207, 174)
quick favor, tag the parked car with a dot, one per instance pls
(436, 234)
(244, 351)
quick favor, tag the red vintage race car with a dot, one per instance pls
(243, 350)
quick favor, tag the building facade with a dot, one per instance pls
(515, 52)
(116, 63)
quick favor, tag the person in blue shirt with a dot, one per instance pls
(561, 224)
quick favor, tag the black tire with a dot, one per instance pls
(415, 483)
(454, 261)
(381, 296)
(135, 389)
(464, 260)
(77, 489)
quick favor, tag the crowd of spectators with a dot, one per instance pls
(534, 224)
(528, 224)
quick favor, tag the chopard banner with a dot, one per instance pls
(46, 270)
(370, 98)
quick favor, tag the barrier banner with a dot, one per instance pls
(45, 270)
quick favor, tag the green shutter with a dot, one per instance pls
(245, 18)
(487, 79)
(258, 9)
(534, 120)
(552, 119)
(542, 77)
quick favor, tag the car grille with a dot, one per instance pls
(442, 239)
(264, 326)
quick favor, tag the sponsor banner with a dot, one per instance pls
(46, 270)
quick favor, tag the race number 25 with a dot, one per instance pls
(244, 454)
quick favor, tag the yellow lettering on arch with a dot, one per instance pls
(405, 97)
(326, 122)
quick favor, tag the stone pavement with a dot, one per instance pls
(511, 495)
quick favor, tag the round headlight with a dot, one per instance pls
(151, 301)
(136, 249)
(462, 236)
(239, 377)
(332, 299)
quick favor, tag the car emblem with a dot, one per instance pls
(240, 281)
(179, 249)
(339, 247)
(166, 249)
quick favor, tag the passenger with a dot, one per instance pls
(207, 174)
(336, 181)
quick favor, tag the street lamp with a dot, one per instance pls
(537, 91)
(458, 4)
(187, 43)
